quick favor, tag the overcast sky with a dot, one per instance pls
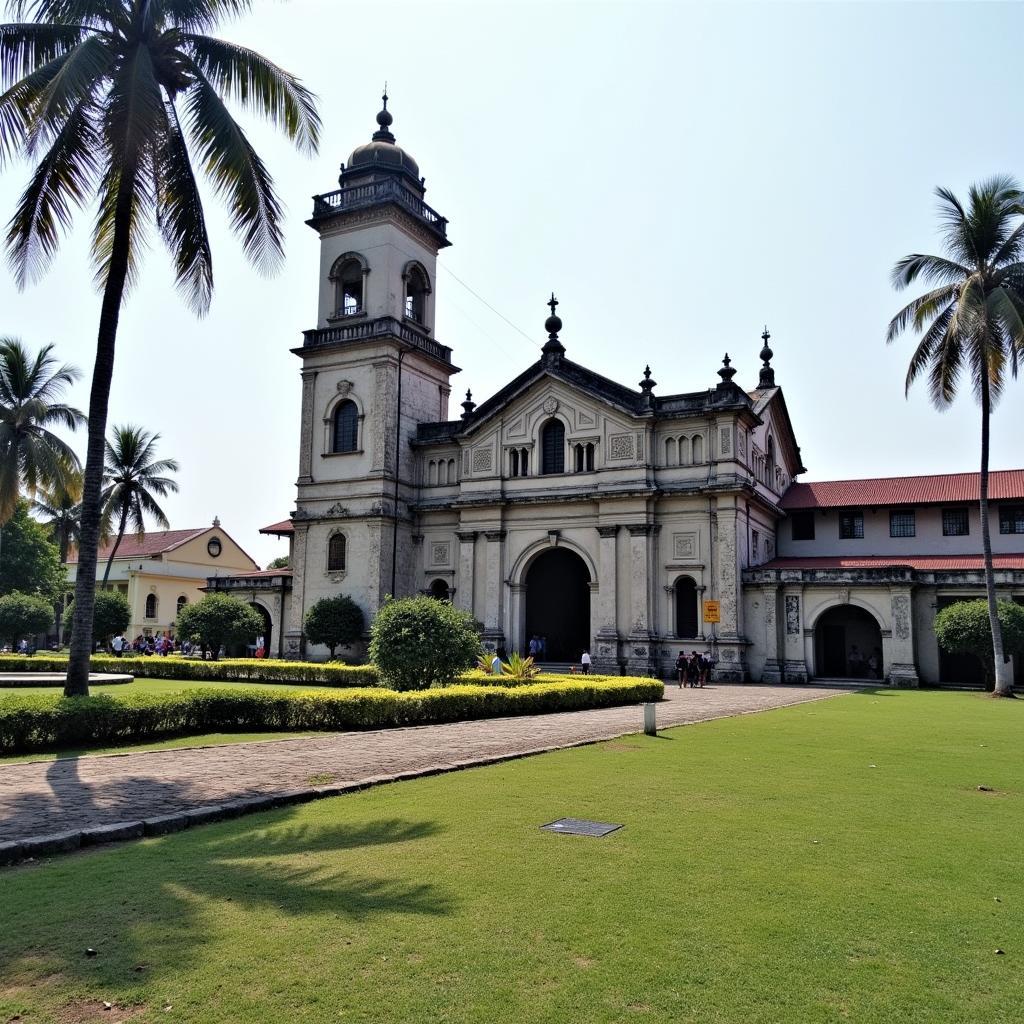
(679, 174)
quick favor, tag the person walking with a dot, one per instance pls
(693, 670)
(585, 663)
(118, 644)
(681, 668)
(496, 665)
(705, 670)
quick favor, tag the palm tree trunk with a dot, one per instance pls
(1004, 683)
(117, 544)
(77, 683)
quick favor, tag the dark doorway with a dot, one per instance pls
(558, 604)
(266, 633)
(848, 644)
(959, 669)
(686, 608)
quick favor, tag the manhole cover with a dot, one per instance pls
(580, 827)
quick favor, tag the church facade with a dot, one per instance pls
(602, 517)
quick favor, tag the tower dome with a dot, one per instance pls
(381, 153)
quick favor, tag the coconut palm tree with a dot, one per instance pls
(132, 477)
(31, 454)
(971, 323)
(102, 95)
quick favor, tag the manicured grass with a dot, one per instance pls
(215, 739)
(828, 862)
(159, 686)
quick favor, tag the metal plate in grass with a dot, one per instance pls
(581, 827)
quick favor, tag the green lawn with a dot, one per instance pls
(829, 862)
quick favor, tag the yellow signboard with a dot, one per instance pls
(712, 611)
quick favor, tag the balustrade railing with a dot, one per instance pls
(383, 326)
(389, 190)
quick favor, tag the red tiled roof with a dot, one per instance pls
(282, 528)
(903, 490)
(146, 546)
(930, 563)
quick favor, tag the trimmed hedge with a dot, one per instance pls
(229, 670)
(53, 722)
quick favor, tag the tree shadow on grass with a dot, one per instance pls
(152, 910)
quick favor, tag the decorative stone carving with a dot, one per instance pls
(483, 460)
(728, 654)
(901, 617)
(726, 440)
(792, 615)
(684, 547)
(440, 553)
(344, 387)
(550, 406)
(620, 446)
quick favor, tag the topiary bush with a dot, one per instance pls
(963, 628)
(23, 615)
(334, 622)
(45, 722)
(217, 621)
(419, 642)
(111, 615)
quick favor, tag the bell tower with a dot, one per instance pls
(372, 371)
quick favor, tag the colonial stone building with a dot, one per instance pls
(604, 517)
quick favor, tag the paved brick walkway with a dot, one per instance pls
(75, 794)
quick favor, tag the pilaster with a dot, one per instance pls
(605, 656)
(641, 657)
(464, 586)
(794, 666)
(773, 669)
(294, 640)
(306, 432)
(903, 667)
(493, 635)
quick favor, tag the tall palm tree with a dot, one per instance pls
(31, 454)
(102, 95)
(971, 322)
(132, 477)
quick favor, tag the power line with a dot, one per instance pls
(496, 312)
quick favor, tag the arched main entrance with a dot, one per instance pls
(848, 644)
(268, 628)
(558, 604)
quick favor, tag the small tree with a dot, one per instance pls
(418, 642)
(964, 628)
(218, 620)
(29, 560)
(110, 615)
(281, 562)
(334, 621)
(22, 615)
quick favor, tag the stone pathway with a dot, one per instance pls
(48, 806)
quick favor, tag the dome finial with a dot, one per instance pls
(384, 121)
(553, 349)
(647, 385)
(767, 377)
(468, 405)
(726, 372)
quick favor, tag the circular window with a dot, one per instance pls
(214, 548)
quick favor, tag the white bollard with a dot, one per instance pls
(650, 721)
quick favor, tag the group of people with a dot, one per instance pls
(162, 644)
(864, 668)
(538, 647)
(693, 671)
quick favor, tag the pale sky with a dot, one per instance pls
(679, 174)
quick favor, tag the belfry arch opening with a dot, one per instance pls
(848, 644)
(558, 605)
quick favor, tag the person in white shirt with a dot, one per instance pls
(496, 666)
(118, 644)
(585, 663)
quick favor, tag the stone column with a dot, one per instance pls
(731, 650)
(382, 444)
(903, 668)
(307, 435)
(772, 672)
(494, 582)
(464, 586)
(517, 618)
(640, 658)
(605, 655)
(794, 665)
(294, 645)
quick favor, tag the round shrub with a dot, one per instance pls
(334, 622)
(23, 615)
(110, 615)
(963, 628)
(218, 620)
(419, 642)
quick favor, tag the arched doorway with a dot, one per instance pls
(848, 644)
(687, 619)
(558, 604)
(267, 631)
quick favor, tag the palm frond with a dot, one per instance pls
(918, 310)
(27, 46)
(199, 15)
(931, 268)
(16, 106)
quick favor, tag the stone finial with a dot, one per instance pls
(384, 121)
(647, 385)
(767, 378)
(726, 372)
(553, 348)
(216, 520)
(468, 405)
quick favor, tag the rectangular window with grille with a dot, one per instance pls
(803, 525)
(1011, 518)
(955, 522)
(902, 524)
(851, 525)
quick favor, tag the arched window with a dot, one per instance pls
(524, 461)
(151, 606)
(589, 458)
(346, 427)
(684, 451)
(671, 451)
(552, 447)
(698, 449)
(770, 463)
(439, 590)
(451, 471)
(442, 472)
(417, 287)
(336, 550)
(577, 458)
(513, 462)
(182, 601)
(686, 608)
(348, 283)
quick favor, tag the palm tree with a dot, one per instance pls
(132, 477)
(31, 455)
(60, 508)
(971, 321)
(102, 94)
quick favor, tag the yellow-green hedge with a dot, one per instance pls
(54, 722)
